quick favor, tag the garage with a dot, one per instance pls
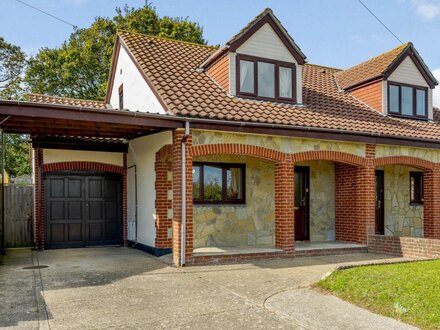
(82, 208)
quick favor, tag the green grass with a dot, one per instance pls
(409, 292)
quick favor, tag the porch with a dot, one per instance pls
(296, 204)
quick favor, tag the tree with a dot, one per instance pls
(17, 154)
(80, 66)
(12, 64)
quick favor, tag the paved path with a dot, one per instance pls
(125, 288)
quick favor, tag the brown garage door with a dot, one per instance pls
(82, 209)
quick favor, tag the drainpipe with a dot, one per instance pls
(135, 204)
(183, 226)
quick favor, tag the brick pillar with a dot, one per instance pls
(366, 202)
(431, 203)
(284, 206)
(354, 202)
(164, 202)
(39, 199)
(178, 136)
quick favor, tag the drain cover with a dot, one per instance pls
(35, 267)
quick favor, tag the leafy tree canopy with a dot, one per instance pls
(79, 67)
(12, 65)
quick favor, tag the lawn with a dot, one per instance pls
(409, 292)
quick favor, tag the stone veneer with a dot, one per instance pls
(401, 218)
(432, 155)
(283, 144)
(240, 225)
(322, 200)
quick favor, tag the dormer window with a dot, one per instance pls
(407, 100)
(266, 79)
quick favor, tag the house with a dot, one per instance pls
(240, 151)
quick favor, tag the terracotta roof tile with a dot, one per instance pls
(66, 101)
(171, 66)
(373, 68)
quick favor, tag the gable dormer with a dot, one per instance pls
(397, 83)
(260, 62)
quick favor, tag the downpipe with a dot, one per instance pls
(183, 225)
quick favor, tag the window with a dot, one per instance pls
(416, 187)
(266, 79)
(218, 183)
(121, 97)
(408, 101)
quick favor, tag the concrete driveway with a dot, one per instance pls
(117, 287)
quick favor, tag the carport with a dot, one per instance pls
(65, 196)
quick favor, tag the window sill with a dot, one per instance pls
(416, 204)
(408, 117)
(212, 204)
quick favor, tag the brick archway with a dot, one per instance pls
(78, 166)
(238, 149)
(336, 156)
(405, 160)
(82, 166)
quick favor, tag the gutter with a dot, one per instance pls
(183, 224)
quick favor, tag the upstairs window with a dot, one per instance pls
(266, 79)
(218, 183)
(408, 101)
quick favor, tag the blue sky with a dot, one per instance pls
(337, 33)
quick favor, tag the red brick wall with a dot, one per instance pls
(219, 71)
(431, 204)
(370, 94)
(411, 247)
(162, 166)
(64, 166)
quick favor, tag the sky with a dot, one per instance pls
(336, 33)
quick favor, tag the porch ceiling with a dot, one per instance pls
(53, 119)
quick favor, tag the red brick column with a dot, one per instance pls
(431, 203)
(39, 203)
(284, 206)
(178, 136)
(355, 199)
(163, 203)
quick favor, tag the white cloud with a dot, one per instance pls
(436, 93)
(428, 9)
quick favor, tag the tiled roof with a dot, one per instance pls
(66, 101)
(373, 68)
(171, 66)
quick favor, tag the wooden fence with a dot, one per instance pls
(19, 214)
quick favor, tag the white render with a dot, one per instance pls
(407, 73)
(138, 96)
(57, 155)
(142, 153)
(265, 43)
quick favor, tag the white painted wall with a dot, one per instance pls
(142, 153)
(131, 203)
(265, 43)
(137, 94)
(408, 73)
(56, 155)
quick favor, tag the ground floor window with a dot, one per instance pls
(221, 183)
(416, 187)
